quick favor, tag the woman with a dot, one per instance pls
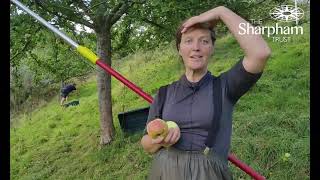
(189, 101)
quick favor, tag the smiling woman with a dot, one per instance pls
(195, 48)
(201, 104)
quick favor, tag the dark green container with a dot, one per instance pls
(72, 103)
(133, 121)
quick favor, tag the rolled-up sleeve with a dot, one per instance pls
(239, 81)
(153, 111)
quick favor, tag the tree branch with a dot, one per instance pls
(44, 65)
(22, 50)
(85, 8)
(25, 45)
(120, 12)
(154, 23)
(64, 16)
(112, 13)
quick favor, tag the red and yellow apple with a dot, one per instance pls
(156, 128)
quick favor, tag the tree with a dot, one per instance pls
(39, 60)
(100, 16)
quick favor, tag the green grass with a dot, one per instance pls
(270, 120)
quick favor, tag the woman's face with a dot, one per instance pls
(196, 48)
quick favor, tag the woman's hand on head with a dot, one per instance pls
(212, 17)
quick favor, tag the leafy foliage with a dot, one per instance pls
(38, 60)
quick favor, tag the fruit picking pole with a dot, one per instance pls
(92, 57)
(87, 53)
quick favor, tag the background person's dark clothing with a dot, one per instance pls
(190, 105)
(67, 89)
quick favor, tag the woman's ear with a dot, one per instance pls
(212, 50)
(179, 50)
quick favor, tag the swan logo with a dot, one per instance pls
(286, 13)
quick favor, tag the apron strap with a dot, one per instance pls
(161, 100)
(217, 104)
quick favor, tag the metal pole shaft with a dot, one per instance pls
(48, 25)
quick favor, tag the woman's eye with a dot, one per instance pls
(188, 41)
(205, 41)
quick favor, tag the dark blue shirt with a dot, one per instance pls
(190, 105)
(68, 88)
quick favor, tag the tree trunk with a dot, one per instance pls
(104, 87)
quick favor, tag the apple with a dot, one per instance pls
(156, 128)
(171, 124)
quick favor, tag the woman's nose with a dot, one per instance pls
(196, 46)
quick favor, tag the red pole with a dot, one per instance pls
(129, 84)
(147, 97)
(245, 167)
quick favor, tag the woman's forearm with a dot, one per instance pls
(254, 45)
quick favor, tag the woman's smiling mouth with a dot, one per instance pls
(196, 57)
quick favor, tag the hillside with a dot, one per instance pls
(270, 120)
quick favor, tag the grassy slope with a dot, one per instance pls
(270, 120)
